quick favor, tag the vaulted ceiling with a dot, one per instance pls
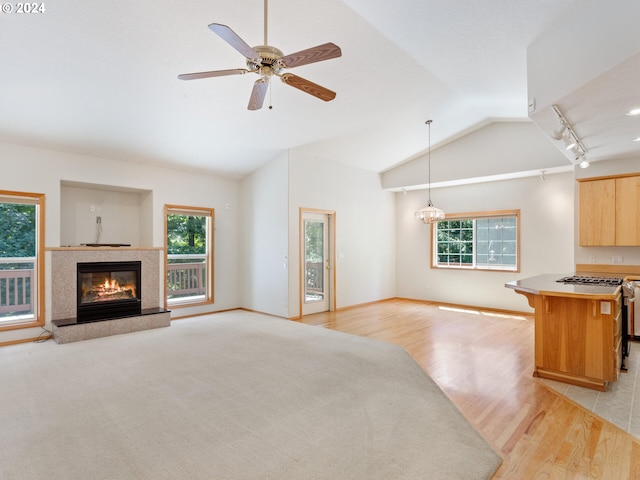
(100, 78)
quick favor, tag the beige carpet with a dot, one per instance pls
(234, 395)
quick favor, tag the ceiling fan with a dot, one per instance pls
(268, 61)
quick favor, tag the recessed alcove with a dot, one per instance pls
(107, 214)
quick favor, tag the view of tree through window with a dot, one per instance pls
(187, 234)
(314, 240)
(19, 259)
(189, 253)
(17, 230)
(480, 242)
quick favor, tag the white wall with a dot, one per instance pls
(546, 229)
(42, 171)
(495, 149)
(265, 200)
(365, 217)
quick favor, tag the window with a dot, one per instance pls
(189, 249)
(480, 241)
(21, 260)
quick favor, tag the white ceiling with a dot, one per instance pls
(100, 78)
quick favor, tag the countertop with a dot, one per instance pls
(547, 285)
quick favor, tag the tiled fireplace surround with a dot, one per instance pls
(64, 262)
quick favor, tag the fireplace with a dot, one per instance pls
(108, 290)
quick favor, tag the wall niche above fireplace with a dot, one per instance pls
(105, 214)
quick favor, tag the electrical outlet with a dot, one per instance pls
(592, 259)
(617, 260)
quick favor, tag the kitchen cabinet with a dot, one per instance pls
(578, 340)
(578, 337)
(608, 211)
(598, 212)
(627, 211)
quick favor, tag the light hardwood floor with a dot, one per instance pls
(484, 363)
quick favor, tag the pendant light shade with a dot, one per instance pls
(429, 214)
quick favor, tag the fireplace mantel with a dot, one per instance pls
(75, 248)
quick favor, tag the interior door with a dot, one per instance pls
(317, 263)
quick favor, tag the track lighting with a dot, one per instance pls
(567, 134)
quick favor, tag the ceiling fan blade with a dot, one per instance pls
(308, 87)
(234, 40)
(215, 73)
(320, 53)
(258, 93)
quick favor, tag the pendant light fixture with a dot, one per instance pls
(429, 214)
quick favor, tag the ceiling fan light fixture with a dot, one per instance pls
(268, 61)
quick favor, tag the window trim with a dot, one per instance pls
(37, 199)
(199, 211)
(472, 216)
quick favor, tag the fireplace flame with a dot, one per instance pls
(111, 287)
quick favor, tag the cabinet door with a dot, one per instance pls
(598, 212)
(627, 211)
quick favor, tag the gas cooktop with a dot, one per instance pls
(596, 281)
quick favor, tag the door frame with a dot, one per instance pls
(331, 214)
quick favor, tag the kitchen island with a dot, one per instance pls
(577, 330)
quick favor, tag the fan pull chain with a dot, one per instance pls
(270, 103)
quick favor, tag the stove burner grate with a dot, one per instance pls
(586, 280)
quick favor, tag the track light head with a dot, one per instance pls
(559, 133)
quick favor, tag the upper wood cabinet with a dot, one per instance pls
(627, 211)
(609, 208)
(598, 212)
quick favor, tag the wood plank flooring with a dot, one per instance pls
(484, 362)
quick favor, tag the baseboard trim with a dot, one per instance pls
(39, 338)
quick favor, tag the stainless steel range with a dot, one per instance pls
(587, 280)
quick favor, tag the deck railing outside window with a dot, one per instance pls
(16, 287)
(186, 277)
